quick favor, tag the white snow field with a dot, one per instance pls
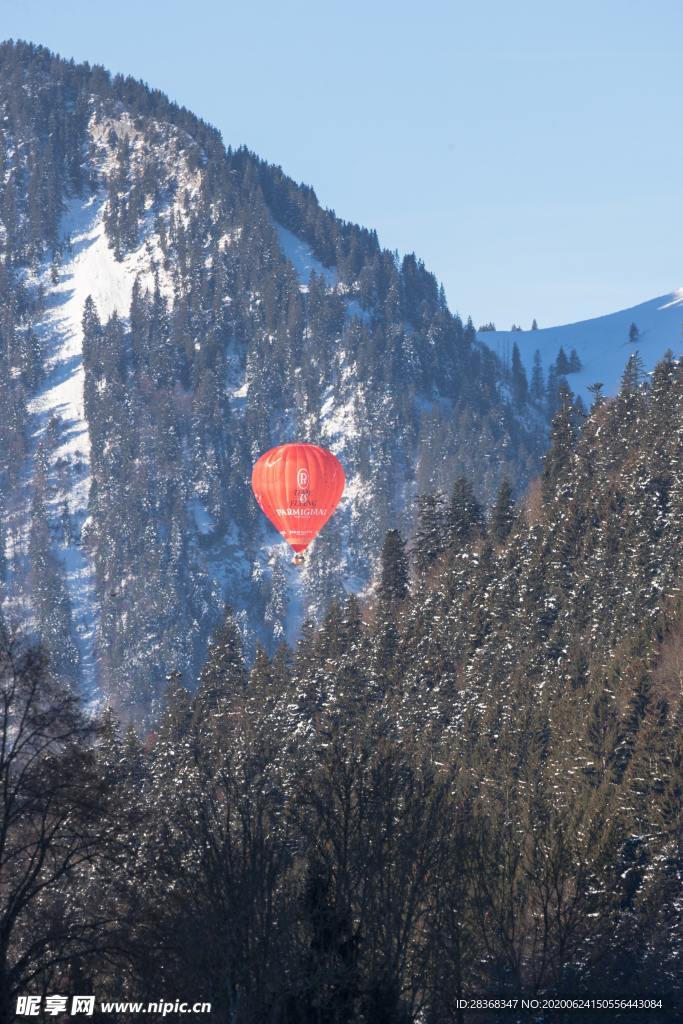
(88, 268)
(301, 256)
(602, 343)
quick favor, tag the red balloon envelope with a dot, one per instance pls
(298, 486)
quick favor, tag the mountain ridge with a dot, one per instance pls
(602, 342)
(228, 312)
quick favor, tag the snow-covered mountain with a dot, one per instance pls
(604, 343)
(171, 309)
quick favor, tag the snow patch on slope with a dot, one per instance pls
(301, 256)
(338, 420)
(677, 299)
(88, 269)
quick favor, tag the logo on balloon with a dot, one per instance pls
(302, 478)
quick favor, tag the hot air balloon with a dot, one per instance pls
(298, 486)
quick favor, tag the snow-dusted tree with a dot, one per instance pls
(394, 579)
(503, 513)
(520, 384)
(563, 437)
(431, 535)
(537, 387)
(276, 609)
(465, 514)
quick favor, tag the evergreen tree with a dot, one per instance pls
(537, 389)
(224, 672)
(432, 530)
(633, 374)
(556, 385)
(276, 609)
(502, 514)
(50, 595)
(520, 385)
(393, 586)
(562, 364)
(575, 365)
(466, 516)
(562, 442)
(177, 714)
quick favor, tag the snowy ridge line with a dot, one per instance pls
(602, 344)
(677, 300)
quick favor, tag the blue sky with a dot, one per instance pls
(530, 153)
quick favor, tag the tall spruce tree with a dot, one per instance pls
(224, 672)
(394, 578)
(633, 375)
(520, 384)
(562, 364)
(562, 442)
(502, 514)
(465, 514)
(431, 535)
(575, 365)
(537, 388)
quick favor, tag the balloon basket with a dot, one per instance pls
(298, 560)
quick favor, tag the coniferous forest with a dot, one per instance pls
(443, 762)
(470, 784)
(171, 308)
